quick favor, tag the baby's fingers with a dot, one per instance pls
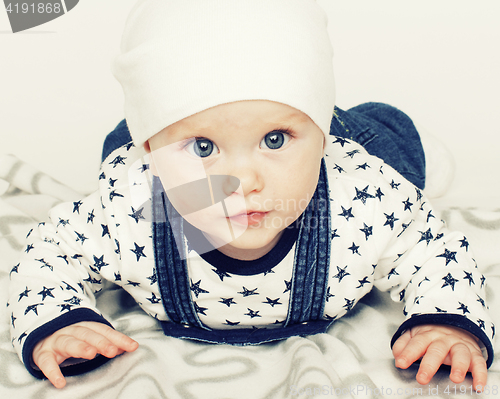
(479, 371)
(115, 338)
(48, 365)
(408, 349)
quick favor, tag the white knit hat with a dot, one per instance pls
(180, 57)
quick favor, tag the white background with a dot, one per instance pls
(437, 60)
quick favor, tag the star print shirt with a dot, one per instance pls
(384, 233)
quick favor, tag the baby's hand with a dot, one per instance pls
(441, 344)
(81, 340)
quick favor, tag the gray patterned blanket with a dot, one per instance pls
(353, 360)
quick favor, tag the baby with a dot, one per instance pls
(238, 205)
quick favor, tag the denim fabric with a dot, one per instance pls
(387, 133)
(117, 138)
(309, 280)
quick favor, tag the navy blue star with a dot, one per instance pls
(90, 217)
(404, 227)
(33, 308)
(246, 292)
(114, 194)
(227, 301)
(393, 272)
(92, 280)
(402, 294)
(74, 301)
(354, 248)
(464, 243)
(112, 182)
(46, 292)
(76, 256)
(21, 337)
(45, 264)
(64, 258)
(390, 220)
(379, 194)
(426, 236)
(362, 195)
(200, 309)
(449, 281)
(468, 276)
(129, 145)
(423, 281)
(288, 285)
(463, 308)
(351, 153)
(118, 276)
(15, 269)
(334, 234)
(363, 282)
(105, 230)
(419, 194)
(76, 206)
(65, 306)
(328, 295)
(12, 320)
(272, 302)
(339, 168)
(483, 279)
(24, 294)
(154, 299)
(253, 313)
(417, 299)
(407, 204)
(439, 310)
(367, 230)
(481, 301)
(341, 141)
(449, 255)
(364, 166)
(153, 278)
(133, 283)
(81, 237)
(430, 215)
(197, 290)
(29, 247)
(69, 287)
(99, 262)
(231, 323)
(62, 222)
(137, 215)
(394, 185)
(347, 213)
(481, 324)
(102, 176)
(221, 274)
(118, 161)
(341, 273)
(138, 251)
(349, 303)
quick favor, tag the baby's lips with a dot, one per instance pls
(23, 15)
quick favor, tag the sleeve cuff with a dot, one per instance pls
(451, 320)
(67, 319)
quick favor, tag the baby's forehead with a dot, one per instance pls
(242, 114)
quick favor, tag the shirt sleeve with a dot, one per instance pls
(58, 275)
(428, 266)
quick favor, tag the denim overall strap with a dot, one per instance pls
(170, 268)
(312, 258)
(387, 133)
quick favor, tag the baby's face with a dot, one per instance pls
(262, 158)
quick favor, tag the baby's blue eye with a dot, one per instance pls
(201, 147)
(275, 140)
